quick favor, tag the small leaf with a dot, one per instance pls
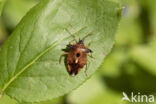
(29, 69)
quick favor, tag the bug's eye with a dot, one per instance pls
(90, 51)
(78, 55)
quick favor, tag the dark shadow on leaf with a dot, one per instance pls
(65, 58)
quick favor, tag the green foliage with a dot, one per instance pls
(29, 58)
(3, 33)
(1, 5)
(94, 91)
(7, 100)
(145, 56)
(131, 65)
(14, 10)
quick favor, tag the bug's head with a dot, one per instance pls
(69, 45)
(80, 42)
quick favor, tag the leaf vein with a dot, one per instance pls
(21, 52)
(31, 63)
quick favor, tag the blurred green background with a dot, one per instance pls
(130, 67)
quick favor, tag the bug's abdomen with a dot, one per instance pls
(74, 68)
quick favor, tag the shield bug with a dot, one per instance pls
(77, 57)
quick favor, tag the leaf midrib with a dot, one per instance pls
(32, 62)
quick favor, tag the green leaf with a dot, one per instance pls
(1, 5)
(12, 14)
(3, 33)
(94, 91)
(145, 56)
(90, 89)
(59, 100)
(112, 64)
(29, 59)
(7, 100)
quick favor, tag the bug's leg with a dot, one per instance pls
(91, 56)
(66, 53)
(86, 70)
(87, 65)
(89, 44)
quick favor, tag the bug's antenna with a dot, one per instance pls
(79, 39)
(74, 30)
(89, 34)
(72, 27)
(71, 34)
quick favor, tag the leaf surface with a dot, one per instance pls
(29, 69)
(1, 5)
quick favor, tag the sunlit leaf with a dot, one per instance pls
(29, 59)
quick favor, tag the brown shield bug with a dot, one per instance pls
(77, 57)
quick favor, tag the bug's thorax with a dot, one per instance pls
(78, 53)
